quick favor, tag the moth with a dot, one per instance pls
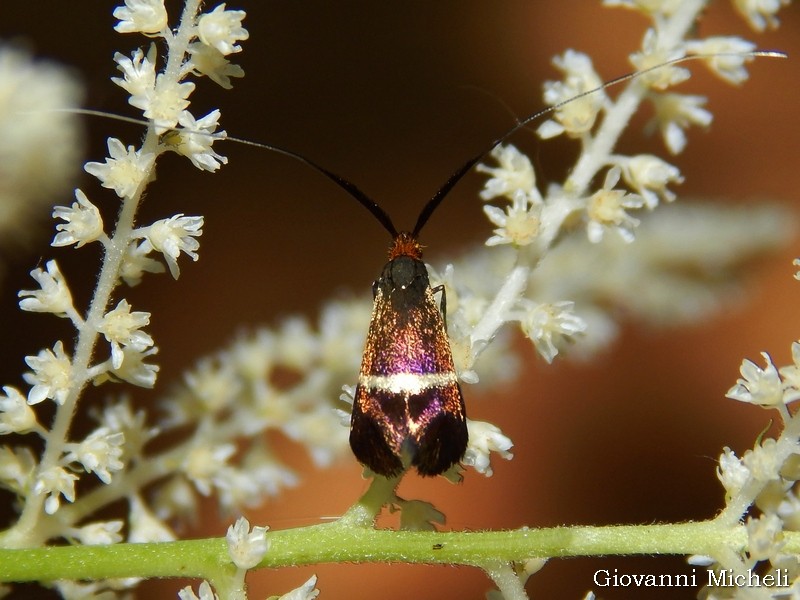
(408, 408)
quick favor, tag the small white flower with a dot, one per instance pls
(134, 370)
(518, 225)
(246, 548)
(121, 417)
(270, 476)
(791, 376)
(17, 467)
(205, 591)
(55, 482)
(485, 438)
(207, 60)
(214, 386)
(763, 461)
(307, 591)
(762, 387)
(101, 533)
(121, 327)
(732, 472)
(259, 477)
(144, 526)
(760, 13)
(222, 28)
(764, 537)
(16, 416)
(83, 222)
(676, 112)
(726, 55)
(51, 376)
(550, 326)
(139, 75)
(789, 510)
(576, 117)
(173, 236)
(203, 462)
(606, 210)
(124, 171)
(319, 430)
(165, 103)
(144, 16)
(99, 453)
(162, 99)
(418, 515)
(176, 498)
(136, 263)
(649, 176)
(53, 295)
(653, 55)
(195, 138)
(514, 173)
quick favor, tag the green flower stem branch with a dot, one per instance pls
(341, 542)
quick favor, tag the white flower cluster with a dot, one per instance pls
(198, 46)
(762, 484)
(534, 224)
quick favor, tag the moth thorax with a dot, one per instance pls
(405, 244)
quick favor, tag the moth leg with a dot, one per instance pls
(443, 302)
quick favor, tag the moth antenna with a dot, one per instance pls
(348, 186)
(448, 185)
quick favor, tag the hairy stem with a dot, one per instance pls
(342, 542)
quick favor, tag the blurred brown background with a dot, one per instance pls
(394, 96)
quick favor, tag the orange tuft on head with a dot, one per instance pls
(405, 244)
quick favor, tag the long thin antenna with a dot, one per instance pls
(373, 207)
(348, 186)
(448, 185)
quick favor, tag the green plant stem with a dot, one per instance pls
(338, 542)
